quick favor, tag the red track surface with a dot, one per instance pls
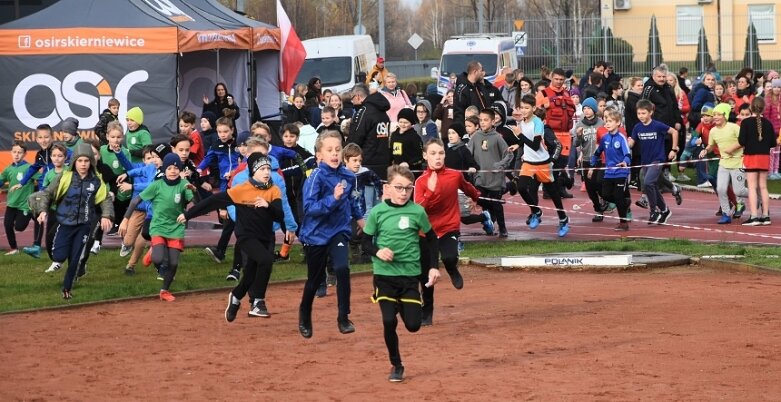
(693, 220)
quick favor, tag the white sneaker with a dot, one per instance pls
(95, 248)
(704, 185)
(54, 267)
(683, 177)
(125, 250)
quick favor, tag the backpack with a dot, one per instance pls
(560, 112)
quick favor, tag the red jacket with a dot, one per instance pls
(441, 205)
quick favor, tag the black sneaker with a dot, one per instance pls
(322, 291)
(345, 325)
(512, 186)
(765, 220)
(598, 218)
(396, 374)
(677, 194)
(232, 309)
(664, 216)
(215, 254)
(259, 309)
(114, 231)
(719, 212)
(752, 221)
(566, 194)
(304, 324)
(653, 218)
(130, 271)
(233, 275)
(279, 258)
(456, 278)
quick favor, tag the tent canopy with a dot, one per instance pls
(134, 26)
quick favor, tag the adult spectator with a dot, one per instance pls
(379, 69)
(473, 90)
(599, 67)
(659, 92)
(370, 129)
(443, 113)
(223, 103)
(594, 86)
(683, 80)
(509, 90)
(396, 96)
(702, 94)
(610, 76)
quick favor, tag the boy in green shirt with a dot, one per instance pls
(169, 196)
(114, 136)
(137, 134)
(392, 232)
(17, 213)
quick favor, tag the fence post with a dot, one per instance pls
(556, 43)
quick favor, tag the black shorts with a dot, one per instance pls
(397, 289)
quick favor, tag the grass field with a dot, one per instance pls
(24, 285)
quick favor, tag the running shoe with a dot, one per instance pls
(488, 224)
(166, 296)
(563, 226)
(32, 251)
(259, 309)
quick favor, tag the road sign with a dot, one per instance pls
(415, 41)
(520, 38)
(519, 50)
(518, 24)
(359, 30)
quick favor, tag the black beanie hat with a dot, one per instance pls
(172, 160)
(256, 161)
(209, 115)
(407, 114)
(458, 128)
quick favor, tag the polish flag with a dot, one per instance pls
(292, 52)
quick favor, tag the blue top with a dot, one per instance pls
(324, 216)
(651, 139)
(616, 150)
(227, 158)
(43, 159)
(276, 178)
(143, 175)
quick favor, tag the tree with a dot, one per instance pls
(654, 56)
(751, 53)
(606, 47)
(703, 54)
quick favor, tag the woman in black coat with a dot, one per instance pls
(222, 100)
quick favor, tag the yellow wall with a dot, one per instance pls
(633, 26)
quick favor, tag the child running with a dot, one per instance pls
(168, 197)
(392, 233)
(258, 204)
(618, 156)
(326, 229)
(537, 165)
(17, 213)
(650, 134)
(436, 190)
(77, 194)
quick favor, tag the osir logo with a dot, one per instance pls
(65, 94)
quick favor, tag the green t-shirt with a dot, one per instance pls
(167, 203)
(137, 140)
(50, 175)
(11, 175)
(109, 158)
(398, 228)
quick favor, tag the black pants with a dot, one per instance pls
(494, 207)
(70, 243)
(338, 252)
(257, 271)
(617, 192)
(16, 220)
(448, 252)
(594, 185)
(397, 295)
(524, 187)
(228, 226)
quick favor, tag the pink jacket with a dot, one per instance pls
(398, 101)
(773, 113)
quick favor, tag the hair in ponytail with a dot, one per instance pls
(757, 108)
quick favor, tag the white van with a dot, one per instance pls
(493, 52)
(338, 61)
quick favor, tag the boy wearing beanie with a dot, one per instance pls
(70, 133)
(405, 144)
(168, 197)
(585, 137)
(137, 135)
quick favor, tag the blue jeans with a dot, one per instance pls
(371, 197)
(651, 188)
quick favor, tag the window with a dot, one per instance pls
(688, 22)
(764, 18)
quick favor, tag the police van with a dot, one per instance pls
(492, 51)
(339, 61)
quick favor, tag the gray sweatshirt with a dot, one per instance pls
(490, 152)
(588, 141)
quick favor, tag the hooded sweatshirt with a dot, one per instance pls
(587, 140)
(427, 129)
(325, 217)
(490, 152)
(76, 196)
(370, 129)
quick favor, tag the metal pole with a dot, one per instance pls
(480, 16)
(604, 44)
(653, 43)
(750, 42)
(556, 43)
(360, 16)
(381, 23)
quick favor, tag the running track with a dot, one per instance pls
(693, 220)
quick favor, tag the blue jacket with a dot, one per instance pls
(702, 95)
(616, 150)
(276, 178)
(227, 158)
(143, 175)
(43, 159)
(366, 177)
(324, 216)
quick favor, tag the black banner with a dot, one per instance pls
(38, 90)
